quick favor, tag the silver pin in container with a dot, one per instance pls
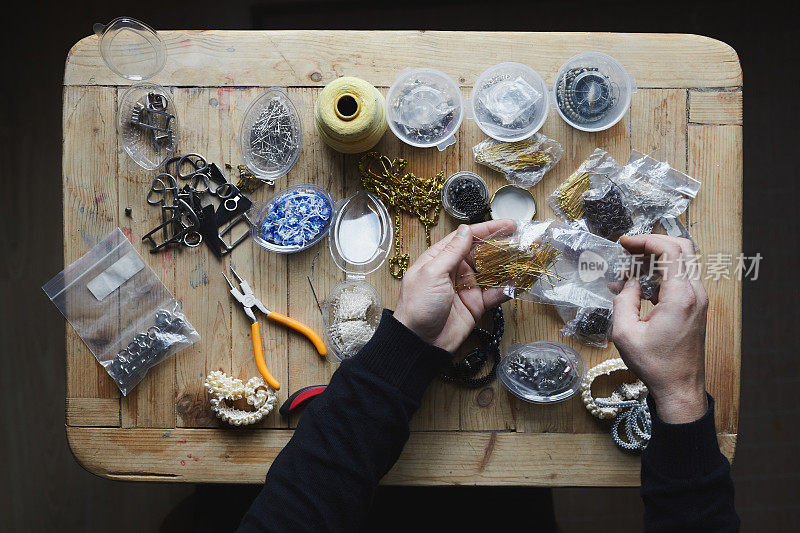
(271, 136)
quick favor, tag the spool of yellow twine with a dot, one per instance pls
(349, 115)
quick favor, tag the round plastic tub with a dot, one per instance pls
(131, 48)
(140, 141)
(592, 91)
(276, 221)
(509, 102)
(271, 136)
(542, 372)
(424, 108)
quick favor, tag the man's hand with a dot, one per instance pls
(429, 304)
(666, 349)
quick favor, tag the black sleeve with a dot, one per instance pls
(686, 481)
(348, 437)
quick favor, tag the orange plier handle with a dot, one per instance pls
(258, 351)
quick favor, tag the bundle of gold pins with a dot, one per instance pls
(515, 156)
(569, 195)
(503, 263)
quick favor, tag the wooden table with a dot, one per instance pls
(688, 110)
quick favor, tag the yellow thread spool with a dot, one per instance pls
(349, 115)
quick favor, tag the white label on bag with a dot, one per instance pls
(115, 275)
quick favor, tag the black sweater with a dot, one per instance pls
(351, 435)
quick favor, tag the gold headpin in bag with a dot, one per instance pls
(517, 156)
(504, 263)
(402, 191)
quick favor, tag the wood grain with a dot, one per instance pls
(90, 213)
(93, 412)
(314, 58)
(715, 107)
(459, 436)
(715, 158)
(429, 458)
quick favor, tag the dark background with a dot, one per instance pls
(43, 488)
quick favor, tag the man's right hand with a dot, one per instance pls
(666, 349)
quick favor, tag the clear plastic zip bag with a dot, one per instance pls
(523, 163)
(121, 310)
(653, 190)
(591, 176)
(589, 271)
(589, 325)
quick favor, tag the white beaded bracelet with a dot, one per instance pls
(223, 389)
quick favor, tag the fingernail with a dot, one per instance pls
(463, 231)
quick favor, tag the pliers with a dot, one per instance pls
(248, 300)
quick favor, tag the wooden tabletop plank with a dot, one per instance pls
(90, 213)
(716, 107)
(715, 158)
(429, 458)
(314, 58)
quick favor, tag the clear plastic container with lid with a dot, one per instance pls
(509, 102)
(293, 219)
(360, 239)
(592, 91)
(424, 108)
(147, 124)
(271, 136)
(131, 48)
(542, 372)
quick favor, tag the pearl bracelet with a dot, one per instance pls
(223, 389)
(626, 405)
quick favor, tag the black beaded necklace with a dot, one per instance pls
(464, 372)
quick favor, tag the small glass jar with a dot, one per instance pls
(457, 184)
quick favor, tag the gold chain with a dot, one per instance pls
(403, 191)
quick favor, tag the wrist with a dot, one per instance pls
(681, 406)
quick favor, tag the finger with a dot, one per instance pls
(663, 247)
(486, 229)
(481, 231)
(494, 296)
(435, 249)
(627, 306)
(453, 253)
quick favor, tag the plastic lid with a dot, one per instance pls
(131, 48)
(424, 108)
(509, 102)
(271, 135)
(361, 233)
(592, 91)
(542, 372)
(512, 202)
(147, 124)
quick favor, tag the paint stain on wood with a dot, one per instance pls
(199, 274)
(487, 454)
